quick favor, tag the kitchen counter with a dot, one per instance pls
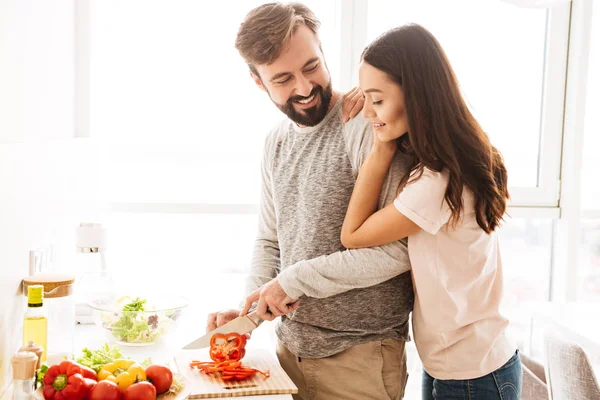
(92, 337)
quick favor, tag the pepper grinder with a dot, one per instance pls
(23, 365)
(35, 349)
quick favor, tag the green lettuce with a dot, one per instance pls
(95, 359)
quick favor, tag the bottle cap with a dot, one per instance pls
(23, 364)
(35, 295)
(36, 349)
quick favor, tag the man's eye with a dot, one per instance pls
(283, 82)
(313, 68)
(376, 103)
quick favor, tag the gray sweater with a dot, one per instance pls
(308, 175)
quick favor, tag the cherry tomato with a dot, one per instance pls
(140, 391)
(105, 390)
(160, 376)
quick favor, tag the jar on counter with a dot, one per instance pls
(94, 280)
(60, 306)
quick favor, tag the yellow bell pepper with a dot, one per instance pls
(122, 372)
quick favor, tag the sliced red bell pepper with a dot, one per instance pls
(65, 382)
(226, 351)
(229, 346)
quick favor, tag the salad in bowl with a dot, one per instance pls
(138, 321)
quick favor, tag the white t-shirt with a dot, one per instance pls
(457, 276)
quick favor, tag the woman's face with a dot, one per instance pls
(384, 103)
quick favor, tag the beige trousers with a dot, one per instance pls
(370, 371)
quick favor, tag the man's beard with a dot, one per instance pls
(309, 116)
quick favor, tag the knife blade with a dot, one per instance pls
(239, 325)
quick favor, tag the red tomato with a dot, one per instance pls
(160, 376)
(105, 390)
(140, 391)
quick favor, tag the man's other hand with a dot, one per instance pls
(219, 318)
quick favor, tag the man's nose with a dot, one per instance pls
(303, 87)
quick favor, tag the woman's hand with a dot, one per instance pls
(383, 149)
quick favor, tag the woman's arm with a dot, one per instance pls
(364, 226)
(385, 226)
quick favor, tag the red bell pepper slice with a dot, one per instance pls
(226, 351)
(229, 346)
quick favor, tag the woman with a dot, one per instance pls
(449, 206)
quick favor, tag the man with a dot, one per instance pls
(351, 345)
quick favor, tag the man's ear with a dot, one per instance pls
(258, 81)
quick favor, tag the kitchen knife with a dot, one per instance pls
(240, 325)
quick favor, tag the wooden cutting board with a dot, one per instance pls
(201, 386)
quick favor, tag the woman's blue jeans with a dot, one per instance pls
(503, 384)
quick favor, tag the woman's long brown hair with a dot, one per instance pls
(443, 134)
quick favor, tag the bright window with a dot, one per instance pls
(184, 252)
(588, 273)
(526, 248)
(589, 262)
(499, 53)
(172, 96)
(590, 193)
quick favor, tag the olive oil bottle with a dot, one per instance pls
(35, 323)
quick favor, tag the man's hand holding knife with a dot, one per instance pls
(272, 301)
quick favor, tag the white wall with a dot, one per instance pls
(41, 202)
(36, 69)
(45, 174)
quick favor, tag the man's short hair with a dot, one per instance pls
(268, 28)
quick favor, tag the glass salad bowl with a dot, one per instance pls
(138, 321)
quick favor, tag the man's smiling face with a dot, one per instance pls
(298, 81)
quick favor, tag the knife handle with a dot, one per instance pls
(253, 316)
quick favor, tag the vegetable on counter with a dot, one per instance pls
(65, 381)
(160, 376)
(230, 346)
(228, 370)
(40, 373)
(89, 373)
(105, 390)
(226, 351)
(140, 391)
(95, 359)
(115, 379)
(122, 372)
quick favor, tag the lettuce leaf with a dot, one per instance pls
(95, 359)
